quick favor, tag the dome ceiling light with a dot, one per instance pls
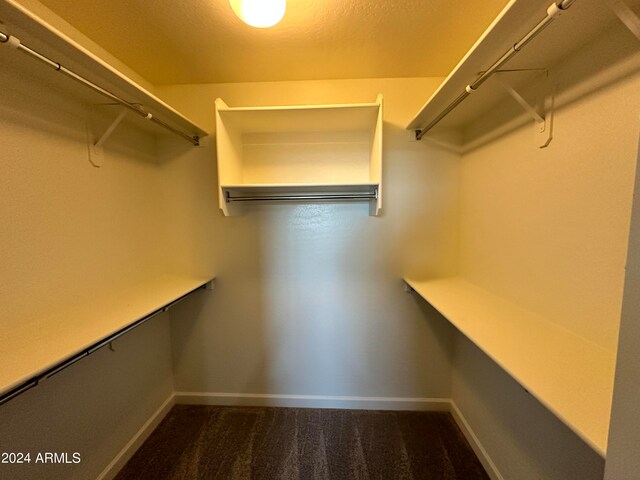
(259, 13)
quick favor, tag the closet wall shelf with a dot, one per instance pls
(35, 49)
(470, 97)
(40, 348)
(571, 376)
(299, 153)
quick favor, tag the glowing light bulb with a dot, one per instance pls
(259, 13)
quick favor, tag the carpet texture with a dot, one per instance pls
(242, 443)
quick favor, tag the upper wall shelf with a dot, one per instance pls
(571, 376)
(26, 29)
(524, 76)
(299, 153)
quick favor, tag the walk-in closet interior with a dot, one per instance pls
(414, 220)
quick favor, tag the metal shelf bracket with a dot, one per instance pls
(541, 112)
(626, 16)
(96, 150)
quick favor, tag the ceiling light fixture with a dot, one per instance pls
(259, 13)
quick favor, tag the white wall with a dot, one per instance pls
(309, 299)
(95, 407)
(523, 439)
(623, 462)
(70, 232)
(547, 229)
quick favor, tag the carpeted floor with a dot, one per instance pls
(236, 443)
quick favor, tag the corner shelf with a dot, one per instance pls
(490, 110)
(299, 153)
(42, 344)
(571, 376)
(47, 40)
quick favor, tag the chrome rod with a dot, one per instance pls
(137, 109)
(60, 366)
(19, 390)
(552, 12)
(279, 198)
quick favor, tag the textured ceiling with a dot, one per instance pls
(202, 41)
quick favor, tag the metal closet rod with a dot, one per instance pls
(15, 43)
(349, 196)
(36, 379)
(552, 12)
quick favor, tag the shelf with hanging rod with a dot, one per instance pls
(43, 346)
(299, 153)
(508, 69)
(58, 60)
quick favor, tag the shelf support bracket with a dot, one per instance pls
(96, 151)
(626, 16)
(107, 133)
(541, 113)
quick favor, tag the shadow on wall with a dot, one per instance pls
(514, 426)
(309, 299)
(92, 408)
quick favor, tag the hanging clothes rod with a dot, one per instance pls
(552, 13)
(36, 379)
(346, 196)
(15, 43)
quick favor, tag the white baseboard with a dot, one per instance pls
(313, 401)
(473, 440)
(136, 441)
(301, 401)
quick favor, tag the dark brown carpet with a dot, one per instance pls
(237, 443)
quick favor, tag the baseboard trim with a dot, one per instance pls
(137, 440)
(473, 440)
(300, 401)
(312, 401)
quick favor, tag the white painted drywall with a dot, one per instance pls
(523, 439)
(69, 231)
(623, 462)
(548, 229)
(309, 299)
(93, 408)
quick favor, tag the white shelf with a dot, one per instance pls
(581, 23)
(42, 37)
(42, 343)
(288, 150)
(571, 376)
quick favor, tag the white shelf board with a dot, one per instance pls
(315, 149)
(584, 21)
(302, 118)
(37, 34)
(40, 344)
(571, 376)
